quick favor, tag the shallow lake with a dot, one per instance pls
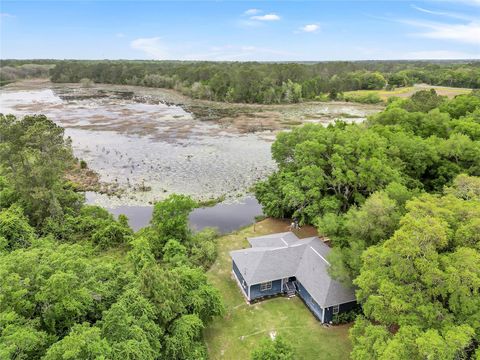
(225, 216)
(160, 147)
(154, 142)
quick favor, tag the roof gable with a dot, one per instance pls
(283, 255)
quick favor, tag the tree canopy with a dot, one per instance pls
(77, 283)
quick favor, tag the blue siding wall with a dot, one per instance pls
(255, 292)
(343, 308)
(240, 278)
(311, 304)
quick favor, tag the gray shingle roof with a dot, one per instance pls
(283, 255)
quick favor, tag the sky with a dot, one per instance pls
(240, 30)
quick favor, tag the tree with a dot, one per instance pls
(174, 253)
(370, 224)
(130, 328)
(15, 229)
(20, 338)
(170, 221)
(83, 342)
(276, 349)
(183, 341)
(420, 290)
(423, 101)
(35, 156)
(323, 170)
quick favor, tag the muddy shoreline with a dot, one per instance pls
(149, 143)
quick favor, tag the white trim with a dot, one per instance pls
(323, 315)
(316, 252)
(268, 285)
(241, 287)
(333, 309)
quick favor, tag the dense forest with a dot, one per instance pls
(399, 197)
(253, 82)
(75, 282)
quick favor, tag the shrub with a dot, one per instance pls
(370, 98)
(345, 317)
(86, 83)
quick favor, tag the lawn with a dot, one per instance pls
(243, 326)
(410, 90)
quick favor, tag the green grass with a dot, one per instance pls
(243, 326)
(409, 90)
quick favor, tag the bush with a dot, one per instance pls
(277, 349)
(83, 164)
(86, 83)
(345, 317)
(370, 98)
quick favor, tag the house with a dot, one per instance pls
(284, 264)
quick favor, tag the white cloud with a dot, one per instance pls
(120, 35)
(152, 47)
(467, 33)
(310, 28)
(252, 11)
(266, 17)
(6, 15)
(442, 13)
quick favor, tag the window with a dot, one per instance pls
(266, 286)
(336, 309)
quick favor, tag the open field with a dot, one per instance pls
(410, 90)
(243, 326)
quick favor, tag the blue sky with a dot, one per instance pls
(240, 30)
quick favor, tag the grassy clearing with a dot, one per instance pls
(243, 326)
(410, 90)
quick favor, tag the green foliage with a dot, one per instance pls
(423, 101)
(15, 230)
(266, 82)
(111, 235)
(130, 328)
(424, 280)
(141, 253)
(277, 349)
(345, 317)
(465, 187)
(369, 98)
(183, 342)
(20, 338)
(34, 156)
(170, 221)
(62, 296)
(370, 224)
(461, 105)
(82, 342)
(58, 285)
(328, 170)
(203, 248)
(174, 253)
(325, 170)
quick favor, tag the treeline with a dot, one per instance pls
(399, 196)
(75, 282)
(269, 83)
(10, 74)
